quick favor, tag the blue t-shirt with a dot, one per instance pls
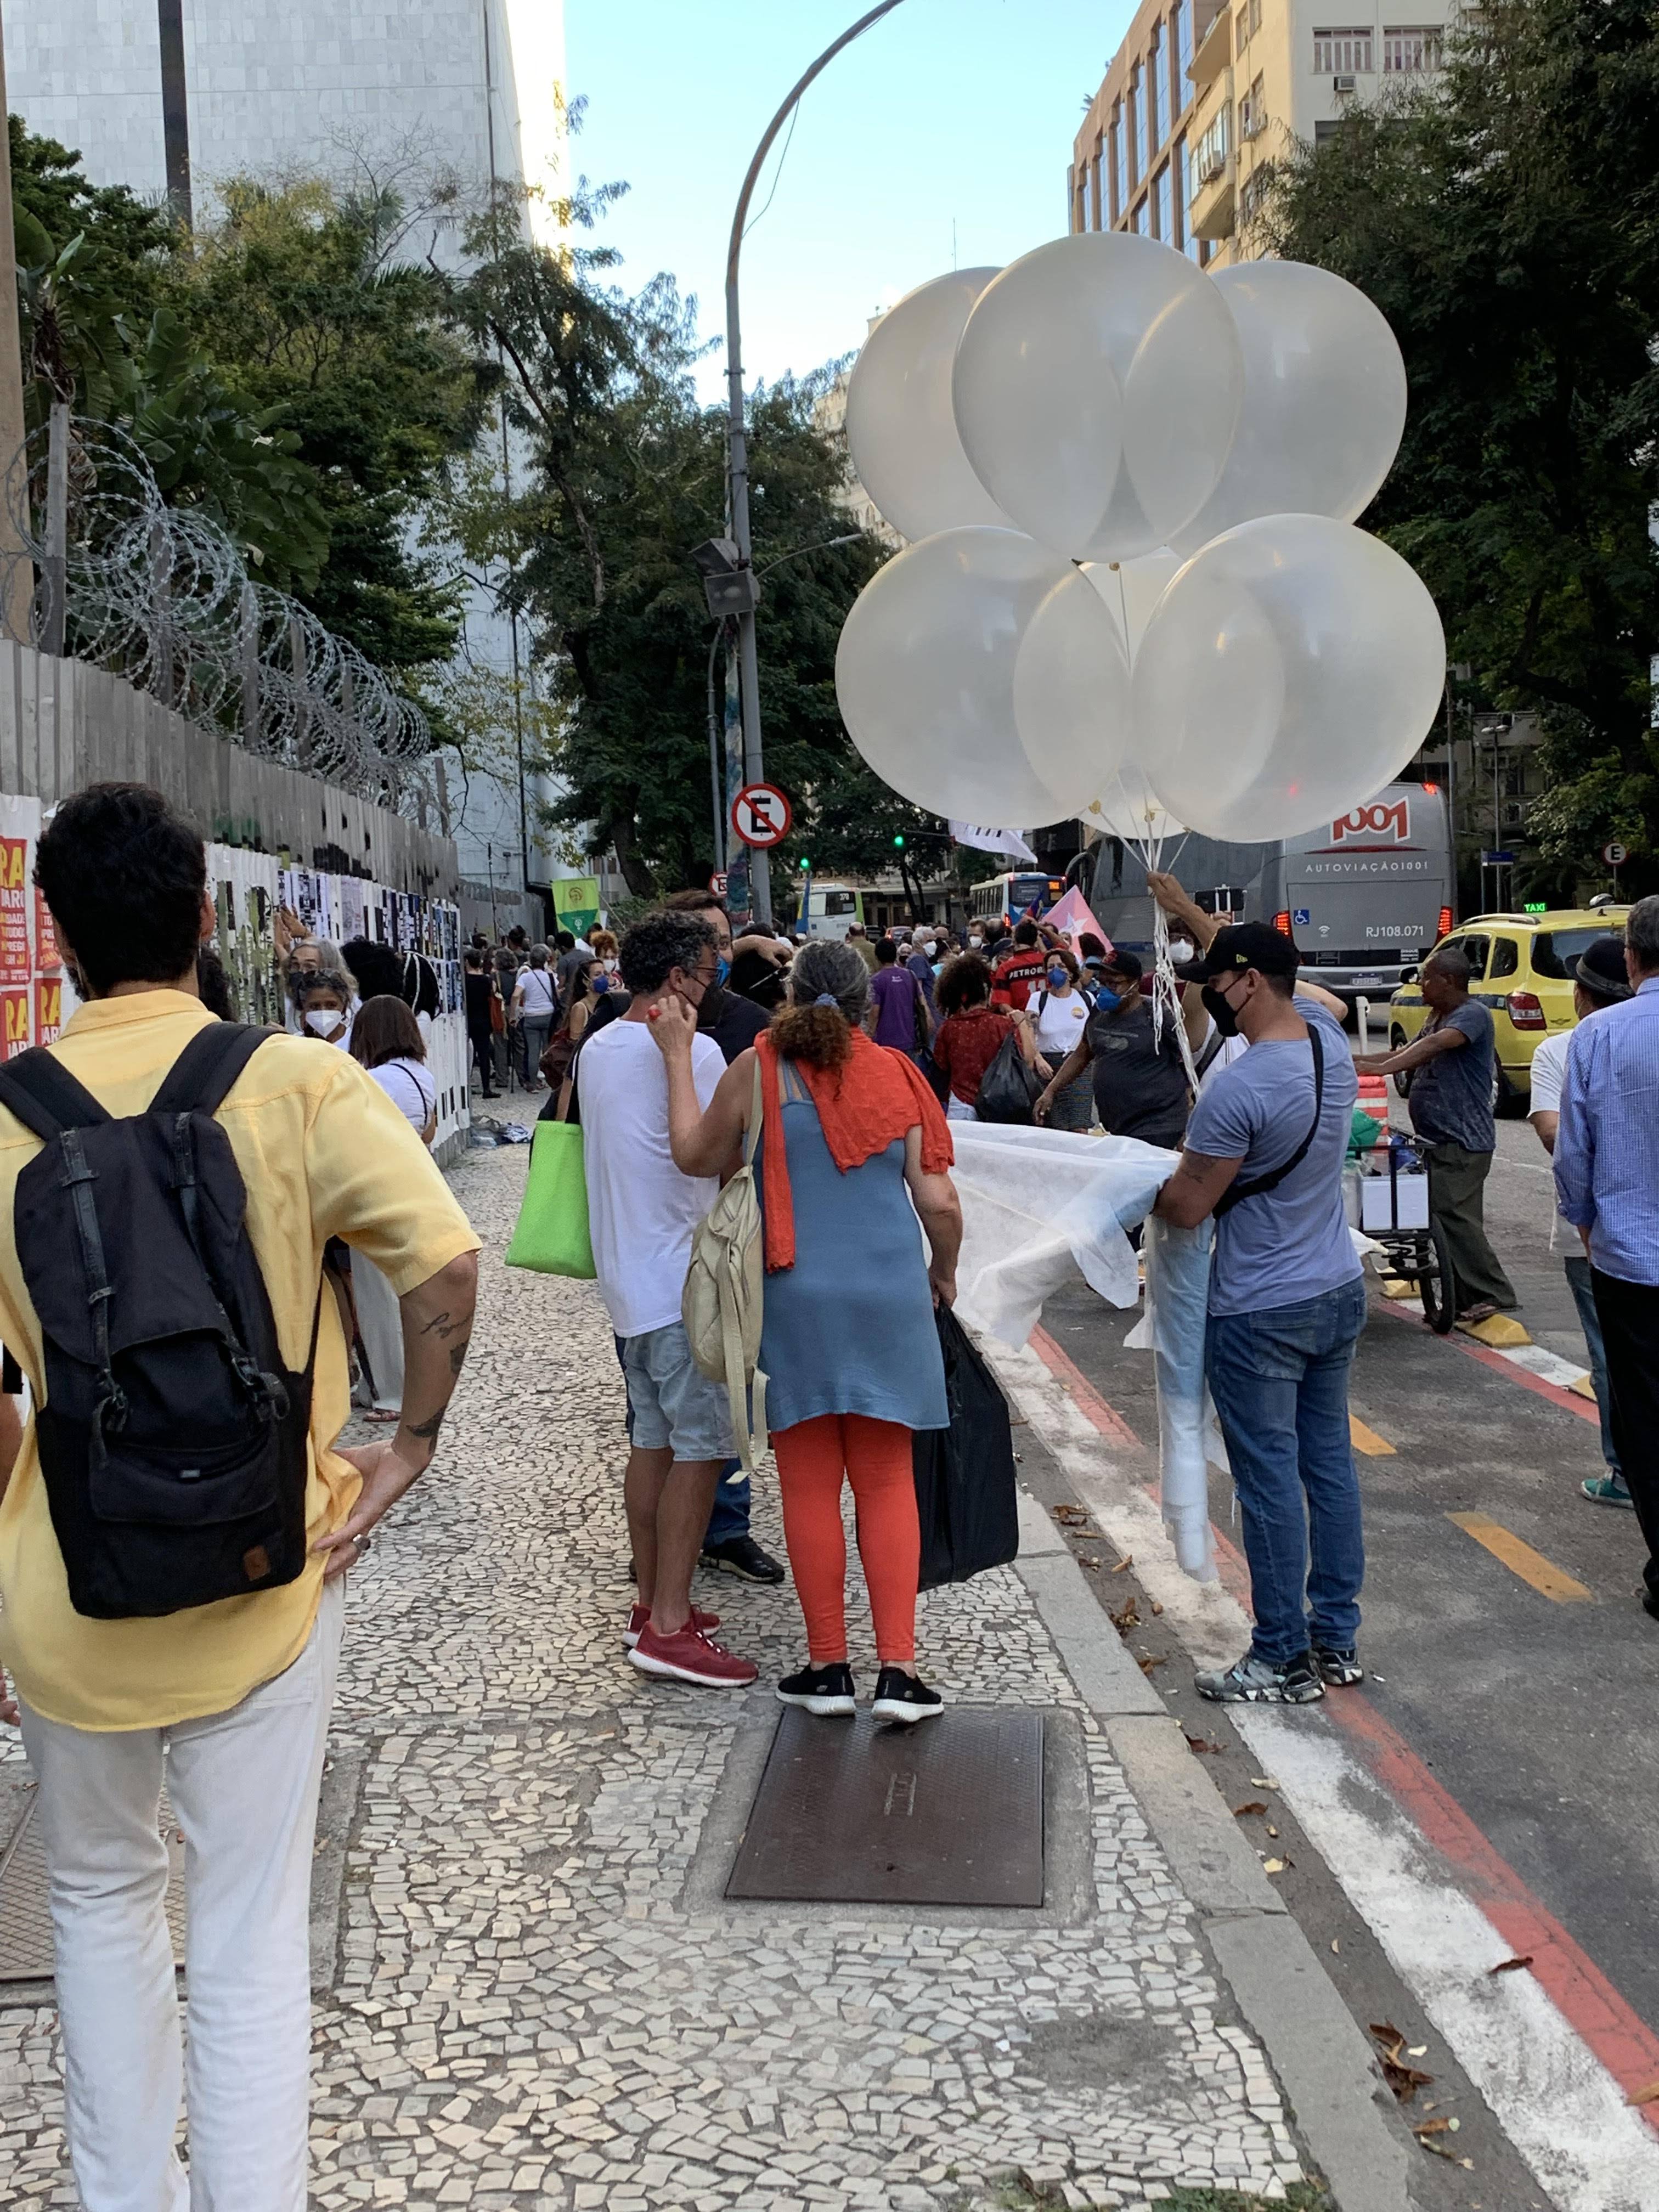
(1292, 1241)
(1451, 1094)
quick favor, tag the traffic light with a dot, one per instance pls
(898, 840)
(805, 865)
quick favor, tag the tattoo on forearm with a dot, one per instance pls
(442, 1326)
(458, 1357)
(427, 1429)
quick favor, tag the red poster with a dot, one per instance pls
(14, 1004)
(14, 910)
(48, 1009)
(47, 960)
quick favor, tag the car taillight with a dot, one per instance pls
(1446, 921)
(1526, 1011)
(1282, 921)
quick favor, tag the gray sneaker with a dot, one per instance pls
(1253, 1681)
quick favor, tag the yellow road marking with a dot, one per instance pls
(1367, 1440)
(1520, 1558)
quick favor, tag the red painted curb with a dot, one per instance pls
(1566, 1400)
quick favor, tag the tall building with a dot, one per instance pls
(172, 96)
(1201, 100)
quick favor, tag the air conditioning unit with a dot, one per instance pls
(1213, 166)
(1342, 85)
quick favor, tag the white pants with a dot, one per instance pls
(244, 1786)
(380, 1325)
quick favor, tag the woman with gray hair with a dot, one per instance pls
(850, 1135)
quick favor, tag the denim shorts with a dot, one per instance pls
(672, 1402)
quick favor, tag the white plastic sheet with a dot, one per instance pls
(1042, 1205)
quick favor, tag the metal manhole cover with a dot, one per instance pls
(25, 1948)
(946, 1813)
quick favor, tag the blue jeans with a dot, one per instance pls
(1280, 1380)
(730, 1517)
(1583, 1296)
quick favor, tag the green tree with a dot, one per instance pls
(323, 332)
(1505, 218)
(625, 474)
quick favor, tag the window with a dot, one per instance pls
(1246, 24)
(1556, 952)
(1183, 20)
(1164, 206)
(1138, 108)
(1210, 156)
(1252, 113)
(1410, 49)
(1324, 132)
(1505, 958)
(1157, 88)
(1141, 221)
(1253, 192)
(1475, 951)
(1120, 164)
(1343, 53)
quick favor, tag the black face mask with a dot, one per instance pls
(1219, 1012)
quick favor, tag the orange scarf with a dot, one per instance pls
(864, 1106)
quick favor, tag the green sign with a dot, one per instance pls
(1535, 906)
(576, 904)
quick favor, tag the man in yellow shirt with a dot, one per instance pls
(235, 1693)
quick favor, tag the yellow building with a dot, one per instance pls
(1200, 99)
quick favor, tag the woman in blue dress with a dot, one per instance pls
(853, 1150)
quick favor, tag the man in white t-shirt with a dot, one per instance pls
(1599, 982)
(643, 1213)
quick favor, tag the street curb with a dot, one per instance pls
(1330, 2075)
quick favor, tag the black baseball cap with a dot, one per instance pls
(1251, 944)
(1600, 969)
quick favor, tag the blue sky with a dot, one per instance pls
(947, 111)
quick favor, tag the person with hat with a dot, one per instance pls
(1607, 1184)
(1453, 1062)
(1598, 981)
(1264, 1154)
(1140, 1081)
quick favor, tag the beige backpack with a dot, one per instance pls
(725, 1293)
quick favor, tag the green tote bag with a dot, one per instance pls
(551, 1238)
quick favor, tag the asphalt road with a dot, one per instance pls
(1536, 1712)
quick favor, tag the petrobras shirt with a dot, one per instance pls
(1291, 1243)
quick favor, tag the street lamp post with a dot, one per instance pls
(738, 443)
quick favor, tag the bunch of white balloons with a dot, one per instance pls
(1134, 592)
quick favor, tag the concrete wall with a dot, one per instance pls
(64, 726)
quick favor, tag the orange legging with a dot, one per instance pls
(812, 1457)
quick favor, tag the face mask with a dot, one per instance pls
(722, 969)
(602, 984)
(611, 966)
(1219, 1012)
(1180, 951)
(1106, 999)
(324, 1020)
(1058, 979)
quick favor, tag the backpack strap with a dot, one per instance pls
(45, 1097)
(205, 1070)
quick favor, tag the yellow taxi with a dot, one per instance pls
(1521, 967)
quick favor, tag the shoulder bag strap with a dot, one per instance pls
(757, 1108)
(1255, 1189)
(45, 1097)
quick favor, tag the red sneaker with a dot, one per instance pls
(705, 1623)
(690, 1656)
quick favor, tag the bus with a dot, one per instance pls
(832, 909)
(1365, 896)
(1014, 894)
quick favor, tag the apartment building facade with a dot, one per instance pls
(1201, 99)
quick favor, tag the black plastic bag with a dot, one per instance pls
(1009, 1088)
(965, 1490)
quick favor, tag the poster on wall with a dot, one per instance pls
(28, 948)
(245, 897)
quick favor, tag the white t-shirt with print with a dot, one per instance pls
(642, 1210)
(1059, 1024)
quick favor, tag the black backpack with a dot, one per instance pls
(171, 1439)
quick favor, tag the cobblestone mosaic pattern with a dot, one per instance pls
(528, 2013)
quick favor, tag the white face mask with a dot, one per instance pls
(1180, 951)
(324, 1020)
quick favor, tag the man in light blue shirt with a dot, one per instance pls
(1607, 1184)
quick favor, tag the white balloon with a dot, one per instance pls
(1324, 399)
(901, 430)
(924, 675)
(1129, 808)
(1291, 669)
(1071, 693)
(1132, 589)
(1096, 385)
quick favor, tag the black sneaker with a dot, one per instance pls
(1253, 1681)
(900, 1697)
(1339, 1670)
(825, 1690)
(742, 1556)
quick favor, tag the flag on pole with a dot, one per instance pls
(1071, 916)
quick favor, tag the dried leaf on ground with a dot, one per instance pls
(1147, 1662)
(1127, 1617)
(1264, 1782)
(1128, 1560)
(1251, 1805)
(1509, 1966)
(1434, 2127)
(1202, 1743)
(1157, 1607)
(1644, 2096)
(1405, 2080)
(1275, 1866)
